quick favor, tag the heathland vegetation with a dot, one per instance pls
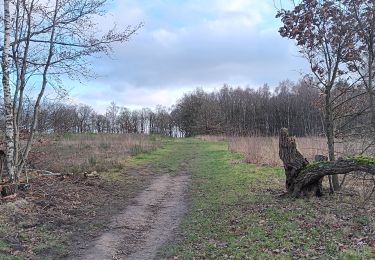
(75, 183)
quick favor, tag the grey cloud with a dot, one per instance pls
(204, 58)
(187, 53)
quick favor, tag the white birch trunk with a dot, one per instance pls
(8, 104)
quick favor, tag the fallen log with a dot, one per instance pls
(304, 178)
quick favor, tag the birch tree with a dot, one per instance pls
(8, 107)
(45, 42)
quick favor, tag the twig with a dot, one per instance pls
(27, 176)
(45, 172)
(371, 193)
(343, 181)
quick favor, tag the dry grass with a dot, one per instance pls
(265, 150)
(88, 152)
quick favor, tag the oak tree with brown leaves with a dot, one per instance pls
(325, 38)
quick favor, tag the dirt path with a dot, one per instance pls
(147, 224)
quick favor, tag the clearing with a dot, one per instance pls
(187, 199)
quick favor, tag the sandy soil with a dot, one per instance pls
(146, 224)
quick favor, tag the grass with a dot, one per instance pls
(5, 249)
(235, 209)
(265, 150)
(168, 157)
(58, 214)
(77, 153)
(236, 213)
(48, 245)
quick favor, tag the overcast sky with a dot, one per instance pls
(186, 44)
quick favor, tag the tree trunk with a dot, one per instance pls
(41, 92)
(333, 180)
(304, 179)
(8, 105)
(369, 86)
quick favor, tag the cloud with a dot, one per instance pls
(100, 96)
(191, 43)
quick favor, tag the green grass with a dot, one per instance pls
(5, 249)
(236, 213)
(48, 244)
(169, 157)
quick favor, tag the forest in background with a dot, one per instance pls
(229, 111)
(232, 111)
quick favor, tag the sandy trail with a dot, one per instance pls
(147, 224)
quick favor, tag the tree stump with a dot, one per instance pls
(305, 179)
(294, 164)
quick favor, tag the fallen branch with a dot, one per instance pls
(46, 173)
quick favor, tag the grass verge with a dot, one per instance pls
(237, 213)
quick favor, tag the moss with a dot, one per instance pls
(363, 159)
(316, 165)
(360, 159)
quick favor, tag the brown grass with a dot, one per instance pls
(87, 152)
(265, 150)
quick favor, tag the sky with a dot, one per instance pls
(186, 44)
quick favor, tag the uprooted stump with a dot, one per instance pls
(304, 178)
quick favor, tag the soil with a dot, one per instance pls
(146, 225)
(73, 217)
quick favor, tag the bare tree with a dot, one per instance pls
(50, 40)
(362, 56)
(84, 113)
(112, 115)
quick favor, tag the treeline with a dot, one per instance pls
(59, 117)
(298, 106)
(238, 111)
(229, 111)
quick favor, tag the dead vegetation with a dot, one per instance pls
(265, 150)
(58, 214)
(78, 153)
(60, 211)
(262, 150)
